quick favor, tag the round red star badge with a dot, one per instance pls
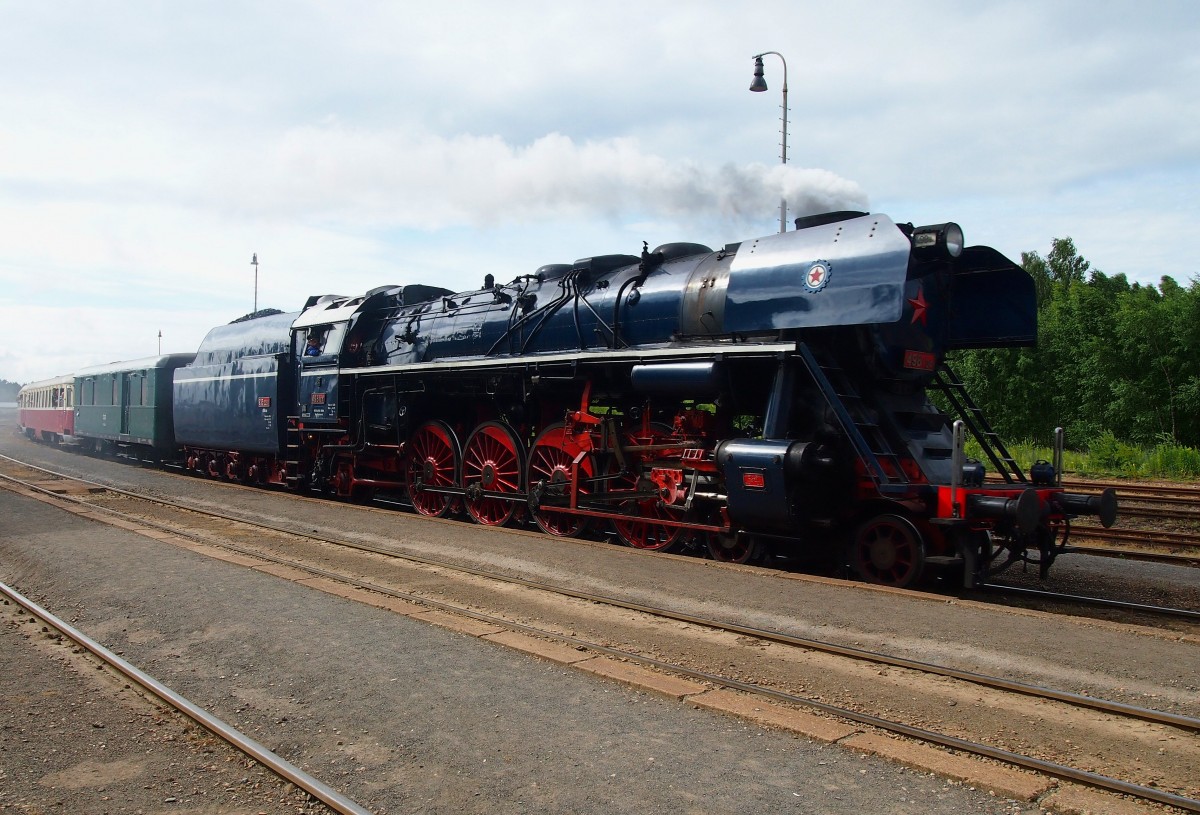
(817, 276)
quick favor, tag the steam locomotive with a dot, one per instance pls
(769, 396)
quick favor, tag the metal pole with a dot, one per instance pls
(254, 263)
(762, 86)
(783, 153)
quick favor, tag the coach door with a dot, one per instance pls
(124, 377)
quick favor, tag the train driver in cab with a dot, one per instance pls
(313, 348)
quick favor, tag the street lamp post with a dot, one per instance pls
(759, 85)
(254, 263)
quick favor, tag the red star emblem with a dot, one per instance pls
(919, 307)
(814, 277)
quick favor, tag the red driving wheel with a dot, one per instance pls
(550, 461)
(433, 459)
(638, 528)
(493, 461)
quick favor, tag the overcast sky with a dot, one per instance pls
(149, 149)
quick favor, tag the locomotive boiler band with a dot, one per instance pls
(771, 395)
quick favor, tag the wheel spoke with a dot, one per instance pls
(433, 462)
(492, 462)
(642, 533)
(551, 458)
(888, 550)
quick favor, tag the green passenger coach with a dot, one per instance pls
(126, 406)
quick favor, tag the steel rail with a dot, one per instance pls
(976, 748)
(1136, 491)
(821, 646)
(1185, 613)
(1161, 512)
(1137, 535)
(277, 764)
(1133, 554)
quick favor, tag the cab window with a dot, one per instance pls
(320, 340)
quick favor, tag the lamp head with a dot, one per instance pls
(759, 84)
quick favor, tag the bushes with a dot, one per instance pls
(1107, 456)
(1173, 461)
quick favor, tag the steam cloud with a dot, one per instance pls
(425, 181)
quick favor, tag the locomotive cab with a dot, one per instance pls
(319, 348)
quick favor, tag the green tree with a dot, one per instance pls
(1112, 358)
(1065, 264)
(1158, 340)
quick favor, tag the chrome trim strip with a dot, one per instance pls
(434, 366)
(182, 380)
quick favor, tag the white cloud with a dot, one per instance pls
(147, 150)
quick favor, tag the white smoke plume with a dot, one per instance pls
(423, 181)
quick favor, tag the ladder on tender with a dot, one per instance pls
(946, 381)
(861, 423)
(291, 452)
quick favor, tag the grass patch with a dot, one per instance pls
(1108, 457)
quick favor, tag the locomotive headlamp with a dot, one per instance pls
(940, 238)
(953, 237)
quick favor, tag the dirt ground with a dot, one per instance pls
(75, 738)
(1115, 661)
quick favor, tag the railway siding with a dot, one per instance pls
(639, 677)
(347, 724)
(1154, 518)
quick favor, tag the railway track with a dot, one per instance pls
(1163, 493)
(283, 768)
(1182, 613)
(992, 684)
(1174, 540)
(1140, 608)
(1159, 523)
